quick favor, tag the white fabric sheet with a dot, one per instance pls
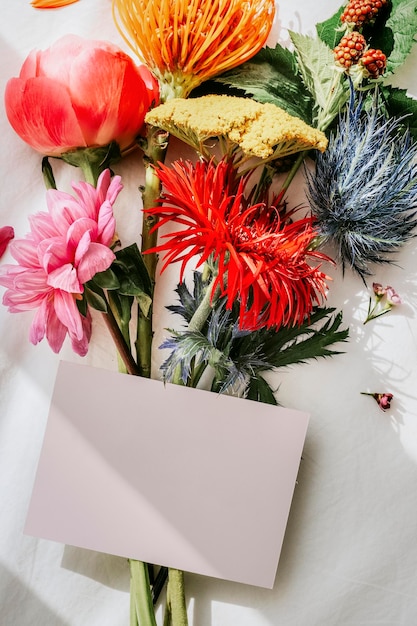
(350, 551)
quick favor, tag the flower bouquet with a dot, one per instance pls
(253, 270)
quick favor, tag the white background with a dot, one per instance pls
(350, 551)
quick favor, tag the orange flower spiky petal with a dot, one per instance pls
(185, 43)
(51, 4)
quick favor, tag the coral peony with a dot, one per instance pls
(79, 93)
(65, 248)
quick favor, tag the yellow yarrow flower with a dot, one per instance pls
(51, 4)
(259, 130)
(187, 42)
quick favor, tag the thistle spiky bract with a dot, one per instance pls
(364, 188)
(239, 358)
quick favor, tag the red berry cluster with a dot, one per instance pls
(360, 12)
(352, 49)
(374, 62)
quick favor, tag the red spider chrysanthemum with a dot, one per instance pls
(261, 257)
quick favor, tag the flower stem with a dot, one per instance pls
(133, 621)
(140, 588)
(204, 309)
(177, 607)
(120, 343)
(155, 147)
(294, 169)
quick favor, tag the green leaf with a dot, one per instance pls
(328, 30)
(189, 302)
(259, 390)
(131, 272)
(403, 24)
(82, 305)
(271, 76)
(145, 302)
(324, 82)
(399, 104)
(122, 309)
(265, 350)
(106, 279)
(95, 297)
(315, 345)
(48, 174)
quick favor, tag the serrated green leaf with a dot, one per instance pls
(400, 104)
(271, 77)
(403, 24)
(315, 345)
(324, 82)
(329, 30)
(259, 390)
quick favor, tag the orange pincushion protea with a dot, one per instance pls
(185, 43)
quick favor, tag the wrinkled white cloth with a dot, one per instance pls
(350, 551)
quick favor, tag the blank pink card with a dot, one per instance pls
(166, 474)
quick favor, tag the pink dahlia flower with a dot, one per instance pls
(65, 248)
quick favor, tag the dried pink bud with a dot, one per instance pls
(382, 399)
(379, 290)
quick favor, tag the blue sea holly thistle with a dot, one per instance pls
(363, 191)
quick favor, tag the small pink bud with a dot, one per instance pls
(393, 298)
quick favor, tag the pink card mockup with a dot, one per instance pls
(166, 474)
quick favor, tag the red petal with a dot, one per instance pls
(41, 113)
(6, 234)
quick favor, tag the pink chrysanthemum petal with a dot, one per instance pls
(98, 258)
(64, 209)
(56, 331)
(65, 278)
(80, 346)
(24, 251)
(67, 313)
(106, 223)
(39, 323)
(79, 236)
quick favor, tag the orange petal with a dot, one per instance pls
(51, 4)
